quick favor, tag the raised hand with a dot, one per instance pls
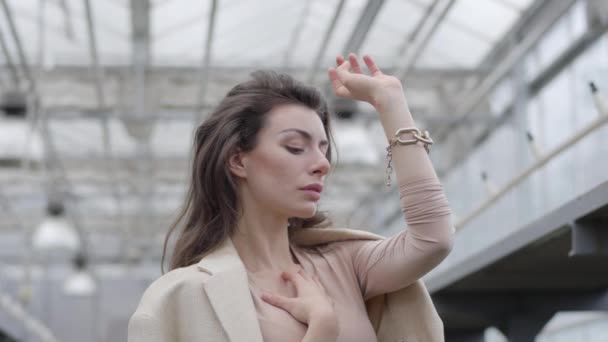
(349, 81)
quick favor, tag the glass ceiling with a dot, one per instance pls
(264, 33)
(413, 35)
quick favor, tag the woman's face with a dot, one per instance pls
(289, 156)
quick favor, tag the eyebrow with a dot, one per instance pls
(305, 134)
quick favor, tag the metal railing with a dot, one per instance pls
(30, 323)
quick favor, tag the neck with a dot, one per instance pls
(262, 242)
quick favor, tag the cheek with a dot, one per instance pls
(274, 183)
(274, 173)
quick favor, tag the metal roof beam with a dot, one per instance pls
(9, 60)
(296, 33)
(357, 37)
(206, 62)
(417, 42)
(322, 49)
(97, 72)
(550, 14)
(19, 47)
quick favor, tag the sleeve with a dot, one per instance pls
(383, 266)
(146, 328)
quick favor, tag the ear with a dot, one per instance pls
(237, 163)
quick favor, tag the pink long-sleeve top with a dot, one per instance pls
(354, 271)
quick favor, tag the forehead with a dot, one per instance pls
(290, 116)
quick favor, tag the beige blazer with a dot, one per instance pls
(210, 301)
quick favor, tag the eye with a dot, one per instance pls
(294, 150)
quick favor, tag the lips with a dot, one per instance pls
(313, 187)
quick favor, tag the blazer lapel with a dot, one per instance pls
(228, 292)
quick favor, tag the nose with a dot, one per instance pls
(321, 165)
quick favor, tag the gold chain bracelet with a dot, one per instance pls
(417, 136)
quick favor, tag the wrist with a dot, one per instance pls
(392, 99)
(397, 118)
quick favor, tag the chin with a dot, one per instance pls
(305, 212)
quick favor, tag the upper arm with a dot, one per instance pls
(383, 266)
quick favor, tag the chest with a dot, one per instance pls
(278, 325)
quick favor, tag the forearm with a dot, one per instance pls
(321, 330)
(409, 161)
(422, 198)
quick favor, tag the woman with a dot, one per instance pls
(251, 262)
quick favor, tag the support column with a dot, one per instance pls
(589, 237)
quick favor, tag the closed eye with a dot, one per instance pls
(294, 150)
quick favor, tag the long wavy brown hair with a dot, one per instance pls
(210, 211)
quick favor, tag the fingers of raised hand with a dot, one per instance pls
(339, 60)
(354, 62)
(339, 88)
(371, 66)
(344, 69)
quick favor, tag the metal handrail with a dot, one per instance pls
(30, 323)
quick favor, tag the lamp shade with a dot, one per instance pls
(55, 233)
(80, 284)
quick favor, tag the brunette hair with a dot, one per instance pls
(210, 211)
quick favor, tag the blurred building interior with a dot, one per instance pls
(99, 100)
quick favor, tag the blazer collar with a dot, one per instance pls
(228, 292)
